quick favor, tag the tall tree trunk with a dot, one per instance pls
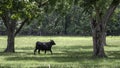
(97, 32)
(10, 42)
(67, 21)
(103, 19)
(11, 36)
(104, 39)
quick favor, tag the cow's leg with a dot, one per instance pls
(35, 50)
(38, 51)
(51, 51)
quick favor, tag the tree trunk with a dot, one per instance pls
(67, 21)
(104, 39)
(11, 36)
(10, 42)
(98, 47)
(98, 26)
(104, 33)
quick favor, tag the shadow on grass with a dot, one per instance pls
(59, 47)
(112, 46)
(114, 54)
(79, 47)
(68, 54)
(11, 54)
(57, 57)
(25, 48)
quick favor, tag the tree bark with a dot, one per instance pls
(97, 32)
(11, 37)
(104, 39)
(10, 42)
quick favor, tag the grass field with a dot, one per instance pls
(69, 52)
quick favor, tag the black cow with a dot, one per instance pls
(44, 46)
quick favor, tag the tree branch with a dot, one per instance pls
(22, 24)
(5, 21)
(42, 4)
(110, 10)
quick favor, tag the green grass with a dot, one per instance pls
(69, 52)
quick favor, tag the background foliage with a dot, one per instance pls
(68, 21)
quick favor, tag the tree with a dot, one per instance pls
(113, 27)
(14, 14)
(99, 18)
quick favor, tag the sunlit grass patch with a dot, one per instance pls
(69, 52)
